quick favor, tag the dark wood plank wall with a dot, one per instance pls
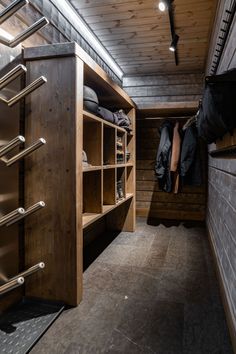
(189, 204)
(59, 30)
(148, 91)
(221, 210)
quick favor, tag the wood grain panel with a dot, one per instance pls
(137, 26)
(147, 91)
(188, 204)
(54, 235)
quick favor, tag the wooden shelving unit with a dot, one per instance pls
(76, 196)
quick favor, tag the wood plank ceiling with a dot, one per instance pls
(137, 34)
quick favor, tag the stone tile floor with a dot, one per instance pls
(152, 291)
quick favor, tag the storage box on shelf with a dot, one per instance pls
(77, 193)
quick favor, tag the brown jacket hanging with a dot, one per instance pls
(175, 157)
(176, 146)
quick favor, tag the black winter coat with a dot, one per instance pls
(190, 164)
(217, 114)
(163, 159)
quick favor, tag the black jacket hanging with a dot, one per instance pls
(217, 113)
(190, 165)
(163, 159)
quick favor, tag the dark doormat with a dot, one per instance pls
(24, 324)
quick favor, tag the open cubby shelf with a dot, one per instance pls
(92, 117)
(78, 188)
(89, 218)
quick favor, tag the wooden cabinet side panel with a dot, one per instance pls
(52, 234)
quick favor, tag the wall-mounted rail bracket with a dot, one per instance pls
(36, 145)
(11, 145)
(26, 91)
(11, 284)
(12, 75)
(11, 9)
(19, 279)
(27, 212)
(31, 270)
(19, 212)
(25, 34)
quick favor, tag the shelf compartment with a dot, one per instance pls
(92, 192)
(130, 149)
(90, 218)
(92, 142)
(120, 147)
(109, 189)
(109, 145)
(120, 184)
(92, 117)
(91, 168)
(130, 179)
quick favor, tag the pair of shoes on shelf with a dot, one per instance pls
(119, 191)
(85, 160)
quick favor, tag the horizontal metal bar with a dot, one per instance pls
(26, 91)
(11, 216)
(11, 145)
(12, 75)
(25, 34)
(25, 152)
(31, 270)
(27, 212)
(29, 31)
(11, 9)
(11, 284)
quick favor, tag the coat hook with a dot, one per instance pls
(27, 212)
(12, 75)
(26, 91)
(11, 145)
(25, 34)
(4, 220)
(31, 270)
(40, 142)
(11, 284)
(11, 9)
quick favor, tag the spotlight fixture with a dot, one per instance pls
(162, 5)
(174, 42)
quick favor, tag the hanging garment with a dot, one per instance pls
(190, 166)
(163, 159)
(190, 121)
(176, 147)
(175, 157)
(217, 113)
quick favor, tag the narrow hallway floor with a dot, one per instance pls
(152, 291)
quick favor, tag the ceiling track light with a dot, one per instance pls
(174, 43)
(162, 6)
